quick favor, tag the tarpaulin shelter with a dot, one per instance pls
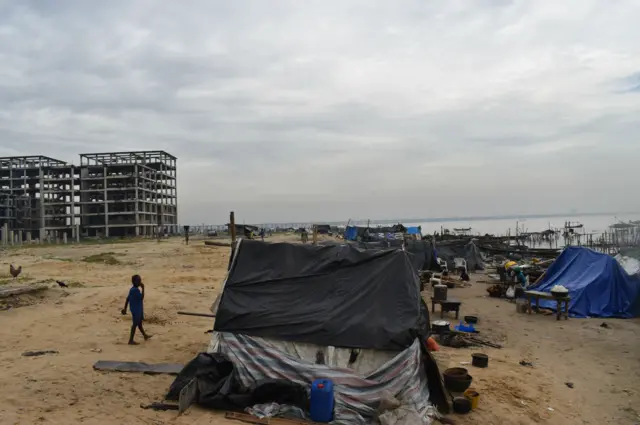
(413, 231)
(323, 229)
(331, 295)
(353, 233)
(244, 229)
(462, 248)
(597, 284)
(298, 312)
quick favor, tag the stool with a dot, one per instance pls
(451, 304)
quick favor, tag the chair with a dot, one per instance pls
(461, 263)
(443, 265)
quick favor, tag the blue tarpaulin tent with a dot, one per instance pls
(413, 231)
(351, 233)
(597, 284)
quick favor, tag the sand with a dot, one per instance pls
(84, 324)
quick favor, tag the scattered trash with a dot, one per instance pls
(96, 350)
(569, 384)
(38, 353)
(159, 406)
(524, 363)
(465, 363)
(550, 409)
(605, 325)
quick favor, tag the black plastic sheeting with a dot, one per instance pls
(423, 251)
(219, 390)
(326, 295)
(448, 250)
(323, 229)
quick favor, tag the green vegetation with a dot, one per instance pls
(103, 258)
(6, 279)
(51, 257)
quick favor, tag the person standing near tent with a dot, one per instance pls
(135, 301)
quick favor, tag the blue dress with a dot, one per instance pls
(135, 305)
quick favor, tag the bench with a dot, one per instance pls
(560, 302)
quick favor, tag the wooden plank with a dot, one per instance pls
(188, 313)
(138, 367)
(19, 290)
(214, 243)
(266, 421)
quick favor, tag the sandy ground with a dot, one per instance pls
(84, 324)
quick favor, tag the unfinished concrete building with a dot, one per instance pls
(38, 195)
(128, 193)
(109, 194)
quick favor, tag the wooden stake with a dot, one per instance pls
(188, 313)
(232, 224)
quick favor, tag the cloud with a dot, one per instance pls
(326, 110)
(629, 84)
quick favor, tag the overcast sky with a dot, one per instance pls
(328, 110)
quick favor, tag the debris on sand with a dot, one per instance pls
(38, 353)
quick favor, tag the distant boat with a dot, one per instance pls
(570, 225)
(462, 229)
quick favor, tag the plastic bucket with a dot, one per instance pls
(474, 397)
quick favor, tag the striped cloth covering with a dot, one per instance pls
(356, 397)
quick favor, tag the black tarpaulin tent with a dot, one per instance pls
(335, 295)
(283, 305)
(323, 229)
(448, 250)
(244, 229)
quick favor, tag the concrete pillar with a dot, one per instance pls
(5, 233)
(19, 237)
(78, 233)
(29, 237)
(64, 238)
(11, 238)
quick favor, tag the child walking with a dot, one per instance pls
(135, 301)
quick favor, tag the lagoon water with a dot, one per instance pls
(592, 224)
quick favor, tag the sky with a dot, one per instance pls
(300, 111)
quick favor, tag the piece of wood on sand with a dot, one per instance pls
(214, 243)
(20, 290)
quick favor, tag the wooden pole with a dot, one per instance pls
(315, 235)
(188, 313)
(232, 225)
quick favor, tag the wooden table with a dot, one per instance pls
(451, 304)
(538, 295)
